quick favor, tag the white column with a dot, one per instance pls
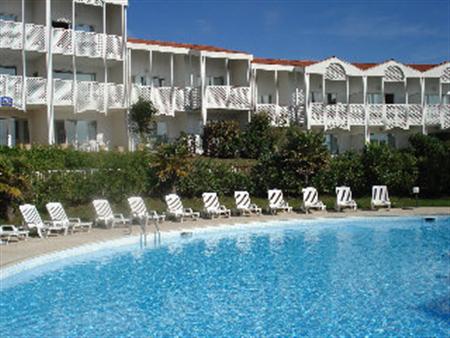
(227, 72)
(383, 98)
(172, 89)
(422, 103)
(347, 88)
(441, 104)
(406, 92)
(150, 67)
(324, 102)
(249, 69)
(277, 94)
(366, 112)
(191, 72)
(126, 68)
(255, 97)
(24, 60)
(105, 65)
(50, 107)
(74, 62)
(307, 103)
(203, 88)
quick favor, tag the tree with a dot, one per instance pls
(259, 137)
(142, 115)
(170, 162)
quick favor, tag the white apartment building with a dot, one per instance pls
(68, 75)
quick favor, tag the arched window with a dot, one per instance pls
(393, 73)
(335, 72)
(446, 75)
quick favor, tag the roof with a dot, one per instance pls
(296, 63)
(185, 45)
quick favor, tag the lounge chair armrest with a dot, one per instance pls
(189, 210)
(253, 205)
(75, 219)
(53, 223)
(223, 207)
(119, 216)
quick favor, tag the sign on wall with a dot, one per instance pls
(6, 101)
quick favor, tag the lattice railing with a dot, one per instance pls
(432, 114)
(114, 47)
(239, 98)
(376, 114)
(317, 114)
(10, 34)
(279, 115)
(336, 116)
(35, 39)
(162, 100)
(62, 92)
(228, 97)
(36, 90)
(89, 44)
(90, 96)
(62, 41)
(445, 116)
(11, 86)
(396, 116)
(116, 94)
(356, 114)
(415, 115)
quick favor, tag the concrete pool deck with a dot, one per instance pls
(16, 252)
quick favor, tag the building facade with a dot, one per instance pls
(69, 74)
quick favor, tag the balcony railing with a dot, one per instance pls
(89, 44)
(168, 100)
(11, 86)
(228, 97)
(36, 90)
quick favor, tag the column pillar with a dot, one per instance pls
(422, 103)
(366, 112)
(24, 60)
(172, 87)
(49, 66)
(74, 62)
(105, 65)
(307, 103)
(203, 88)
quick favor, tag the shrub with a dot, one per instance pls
(346, 169)
(221, 139)
(259, 137)
(142, 114)
(395, 168)
(433, 162)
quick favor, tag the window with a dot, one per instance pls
(89, 77)
(388, 98)
(141, 80)
(446, 98)
(75, 132)
(22, 132)
(332, 143)
(432, 99)
(8, 70)
(266, 99)
(374, 98)
(8, 17)
(382, 138)
(60, 24)
(13, 131)
(316, 97)
(215, 81)
(158, 81)
(331, 98)
(84, 28)
(161, 128)
(4, 133)
(63, 75)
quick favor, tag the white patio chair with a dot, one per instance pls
(277, 202)
(175, 208)
(311, 200)
(33, 222)
(13, 232)
(58, 214)
(140, 211)
(212, 206)
(344, 199)
(105, 215)
(380, 197)
(245, 205)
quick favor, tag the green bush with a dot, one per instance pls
(433, 162)
(221, 139)
(259, 138)
(395, 168)
(346, 169)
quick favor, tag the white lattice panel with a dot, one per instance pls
(393, 73)
(336, 116)
(35, 39)
(63, 92)
(195, 98)
(36, 90)
(446, 75)
(62, 41)
(116, 94)
(279, 115)
(114, 47)
(10, 34)
(396, 116)
(335, 72)
(217, 96)
(432, 116)
(91, 2)
(414, 114)
(11, 86)
(356, 114)
(90, 96)
(89, 44)
(239, 98)
(376, 114)
(161, 98)
(317, 114)
(445, 113)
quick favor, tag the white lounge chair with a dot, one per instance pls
(344, 199)
(311, 199)
(175, 208)
(139, 211)
(58, 215)
(244, 204)
(106, 216)
(34, 223)
(277, 202)
(380, 197)
(12, 231)
(212, 206)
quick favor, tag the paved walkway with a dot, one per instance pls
(18, 251)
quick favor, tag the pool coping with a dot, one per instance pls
(32, 261)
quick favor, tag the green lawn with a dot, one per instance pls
(86, 211)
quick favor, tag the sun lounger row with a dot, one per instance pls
(60, 223)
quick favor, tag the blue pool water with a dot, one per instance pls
(376, 277)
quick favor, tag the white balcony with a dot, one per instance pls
(228, 97)
(63, 92)
(394, 115)
(168, 100)
(12, 86)
(437, 115)
(36, 90)
(88, 44)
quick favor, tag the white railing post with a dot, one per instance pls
(422, 103)
(366, 111)
(307, 103)
(203, 88)
(24, 60)
(50, 107)
(172, 88)
(105, 66)
(441, 105)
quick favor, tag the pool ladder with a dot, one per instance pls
(143, 236)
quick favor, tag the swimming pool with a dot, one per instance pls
(380, 276)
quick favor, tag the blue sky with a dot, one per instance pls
(365, 31)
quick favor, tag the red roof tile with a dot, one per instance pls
(297, 63)
(422, 67)
(184, 45)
